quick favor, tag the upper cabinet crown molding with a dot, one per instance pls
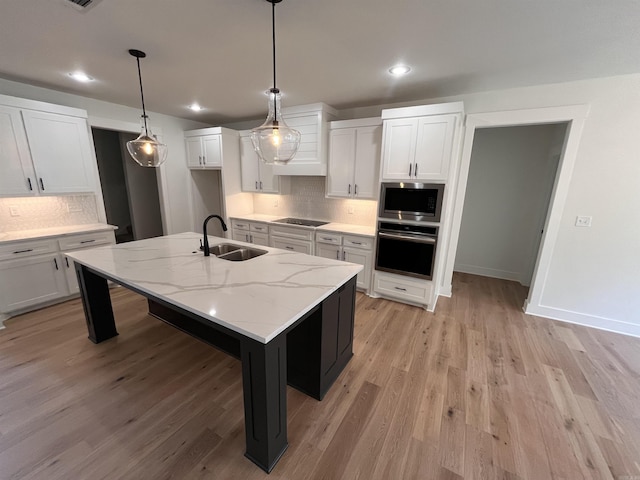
(312, 122)
(423, 110)
(26, 104)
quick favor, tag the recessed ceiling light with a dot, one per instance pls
(81, 77)
(399, 70)
(195, 107)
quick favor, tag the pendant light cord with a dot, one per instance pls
(144, 111)
(273, 33)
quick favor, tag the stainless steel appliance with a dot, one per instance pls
(420, 202)
(301, 221)
(406, 249)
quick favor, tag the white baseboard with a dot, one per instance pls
(488, 272)
(601, 323)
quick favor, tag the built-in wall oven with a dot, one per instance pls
(421, 202)
(406, 249)
(407, 237)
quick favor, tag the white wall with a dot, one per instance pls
(510, 178)
(178, 215)
(593, 277)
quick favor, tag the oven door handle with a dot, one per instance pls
(407, 237)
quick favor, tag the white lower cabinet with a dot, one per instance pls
(293, 245)
(31, 280)
(250, 232)
(409, 289)
(36, 272)
(350, 248)
(295, 239)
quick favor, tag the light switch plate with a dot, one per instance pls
(583, 221)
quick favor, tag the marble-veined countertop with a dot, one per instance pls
(348, 228)
(258, 298)
(19, 235)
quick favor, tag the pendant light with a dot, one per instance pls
(146, 150)
(273, 141)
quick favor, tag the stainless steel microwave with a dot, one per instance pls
(421, 202)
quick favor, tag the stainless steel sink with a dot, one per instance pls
(223, 248)
(242, 254)
(235, 253)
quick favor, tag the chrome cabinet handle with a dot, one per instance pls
(415, 171)
(55, 261)
(410, 165)
(41, 184)
(401, 289)
(29, 182)
(24, 251)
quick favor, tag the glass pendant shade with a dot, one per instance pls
(275, 142)
(147, 151)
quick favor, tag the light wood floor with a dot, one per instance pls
(476, 391)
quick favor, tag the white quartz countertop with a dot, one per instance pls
(365, 230)
(258, 298)
(53, 232)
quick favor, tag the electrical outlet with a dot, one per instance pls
(275, 202)
(350, 209)
(14, 211)
(583, 221)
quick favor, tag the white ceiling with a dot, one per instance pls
(218, 52)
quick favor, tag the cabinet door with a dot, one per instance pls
(433, 147)
(249, 166)
(292, 245)
(70, 273)
(30, 281)
(399, 148)
(268, 182)
(361, 257)
(366, 164)
(328, 251)
(17, 176)
(61, 152)
(212, 151)
(260, 239)
(194, 151)
(342, 155)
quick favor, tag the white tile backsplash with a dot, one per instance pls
(307, 200)
(27, 213)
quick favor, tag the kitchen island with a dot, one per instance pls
(287, 316)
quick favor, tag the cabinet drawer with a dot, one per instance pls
(26, 249)
(291, 245)
(292, 232)
(85, 240)
(416, 291)
(358, 242)
(240, 225)
(331, 238)
(259, 227)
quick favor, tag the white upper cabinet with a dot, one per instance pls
(312, 123)
(204, 151)
(418, 141)
(61, 152)
(354, 153)
(17, 176)
(257, 176)
(44, 152)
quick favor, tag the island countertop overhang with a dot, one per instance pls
(259, 298)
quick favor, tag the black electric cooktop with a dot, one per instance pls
(301, 221)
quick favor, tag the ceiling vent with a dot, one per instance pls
(81, 5)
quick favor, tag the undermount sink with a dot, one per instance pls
(235, 253)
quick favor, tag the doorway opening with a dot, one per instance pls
(130, 192)
(511, 176)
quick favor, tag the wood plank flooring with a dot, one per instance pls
(476, 391)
